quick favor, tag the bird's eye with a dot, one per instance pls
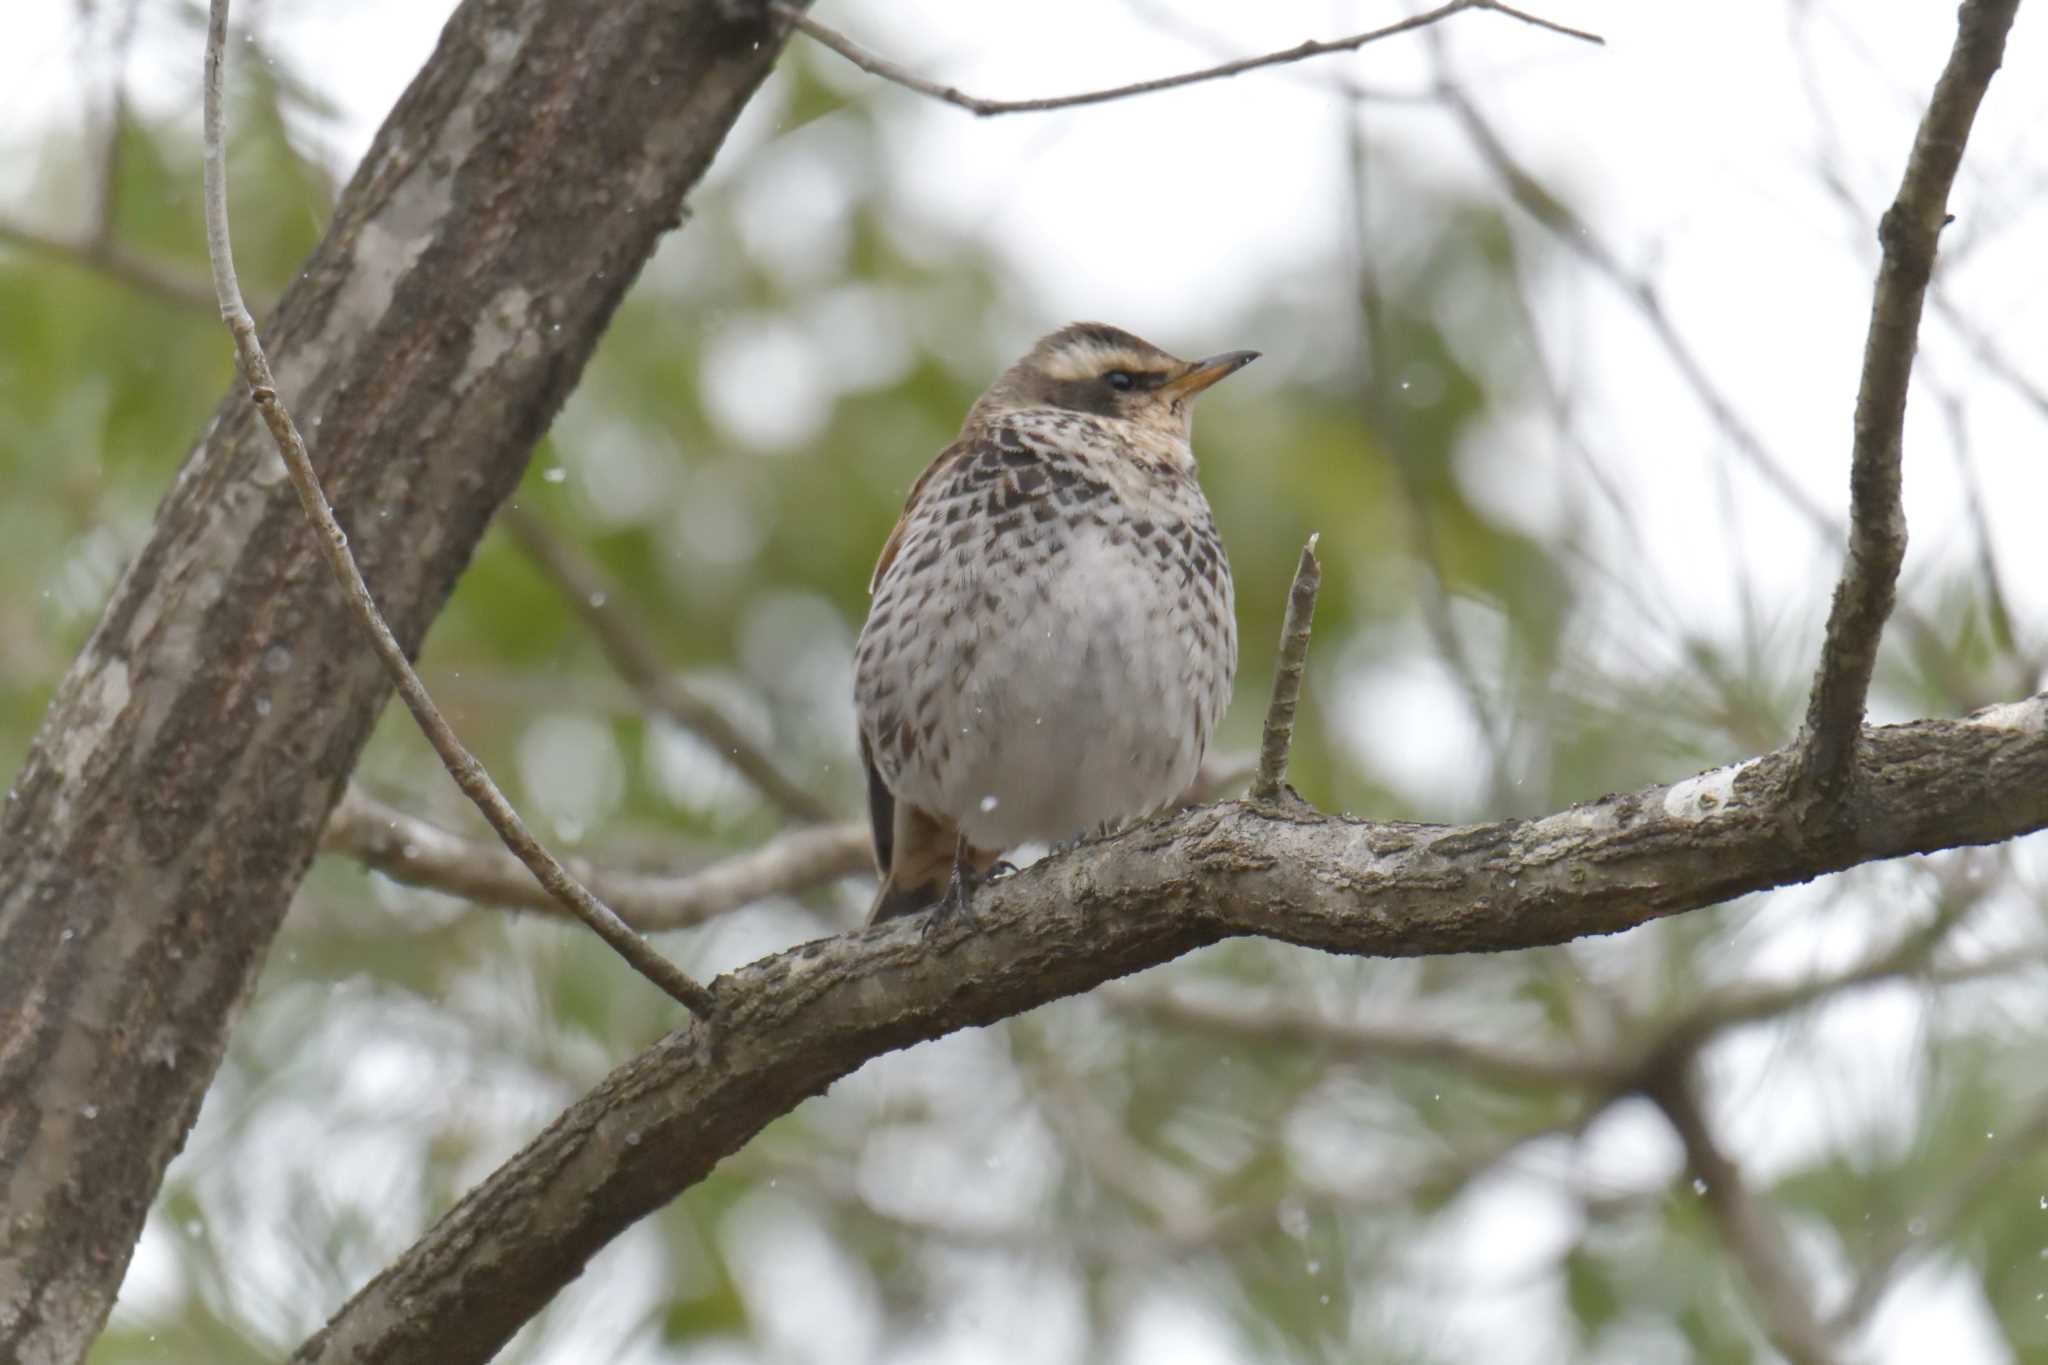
(1120, 380)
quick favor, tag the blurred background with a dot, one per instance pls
(1561, 347)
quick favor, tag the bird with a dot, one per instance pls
(1051, 636)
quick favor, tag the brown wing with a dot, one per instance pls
(894, 543)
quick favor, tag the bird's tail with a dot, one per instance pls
(920, 864)
(914, 849)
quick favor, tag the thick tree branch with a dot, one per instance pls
(179, 784)
(408, 849)
(896, 74)
(1909, 234)
(630, 647)
(469, 773)
(804, 1018)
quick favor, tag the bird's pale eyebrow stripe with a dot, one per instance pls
(1087, 359)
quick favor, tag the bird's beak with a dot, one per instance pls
(1203, 373)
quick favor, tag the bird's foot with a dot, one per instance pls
(1086, 836)
(958, 902)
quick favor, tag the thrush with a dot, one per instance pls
(1052, 636)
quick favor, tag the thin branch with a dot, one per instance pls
(1776, 1283)
(463, 766)
(116, 263)
(876, 65)
(1165, 18)
(630, 646)
(421, 853)
(1909, 233)
(1283, 1023)
(1279, 733)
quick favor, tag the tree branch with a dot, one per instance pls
(462, 765)
(421, 853)
(804, 1018)
(629, 645)
(1777, 1285)
(1909, 234)
(112, 261)
(1287, 675)
(896, 74)
(1283, 1023)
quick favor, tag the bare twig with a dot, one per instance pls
(419, 852)
(1165, 17)
(112, 261)
(1909, 233)
(630, 647)
(876, 65)
(1776, 1282)
(463, 766)
(1279, 733)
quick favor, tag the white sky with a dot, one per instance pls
(1689, 142)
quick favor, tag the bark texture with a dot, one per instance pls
(179, 785)
(800, 1020)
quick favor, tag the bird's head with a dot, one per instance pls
(1093, 368)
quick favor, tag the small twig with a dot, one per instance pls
(421, 853)
(1909, 233)
(110, 260)
(1776, 1283)
(1294, 631)
(876, 65)
(463, 766)
(630, 647)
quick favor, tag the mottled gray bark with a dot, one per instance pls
(802, 1019)
(178, 788)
